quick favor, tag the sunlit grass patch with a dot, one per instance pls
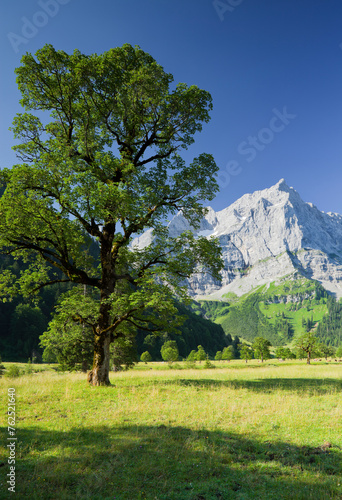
(233, 432)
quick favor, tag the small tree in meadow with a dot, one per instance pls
(308, 343)
(146, 357)
(228, 353)
(339, 351)
(326, 350)
(169, 351)
(288, 353)
(192, 356)
(284, 353)
(261, 348)
(246, 352)
(208, 364)
(218, 356)
(201, 354)
(279, 353)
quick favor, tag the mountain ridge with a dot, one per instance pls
(264, 236)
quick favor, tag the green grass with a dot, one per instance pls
(290, 285)
(255, 431)
(273, 312)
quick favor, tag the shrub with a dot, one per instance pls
(208, 364)
(13, 371)
(176, 366)
(29, 368)
(190, 364)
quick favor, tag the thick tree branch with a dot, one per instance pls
(48, 283)
(74, 274)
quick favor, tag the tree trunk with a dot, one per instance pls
(84, 361)
(308, 359)
(99, 375)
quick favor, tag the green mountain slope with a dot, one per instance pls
(276, 311)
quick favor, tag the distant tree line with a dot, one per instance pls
(195, 331)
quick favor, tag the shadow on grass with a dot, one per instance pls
(170, 463)
(312, 385)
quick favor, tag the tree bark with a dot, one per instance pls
(308, 359)
(99, 375)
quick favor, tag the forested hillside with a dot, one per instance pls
(22, 322)
(329, 330)
(278, 311)
(246, 320)
(195, 331)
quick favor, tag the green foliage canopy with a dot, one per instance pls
(284, 353)
(261, 348)
(308, 343)
(145, 357)
(228, 353)
(201, 354)
(326, 350)
(192, 356)
(246, 352)
(169, 351)
(99, 145)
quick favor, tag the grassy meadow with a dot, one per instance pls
(239, 431)
(273, 312)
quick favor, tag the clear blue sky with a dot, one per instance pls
(273, 68)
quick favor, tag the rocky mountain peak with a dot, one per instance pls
(266, 235)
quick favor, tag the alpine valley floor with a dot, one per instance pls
(239, 431)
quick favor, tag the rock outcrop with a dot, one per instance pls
(264, 236)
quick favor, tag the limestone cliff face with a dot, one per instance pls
(264, 236)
